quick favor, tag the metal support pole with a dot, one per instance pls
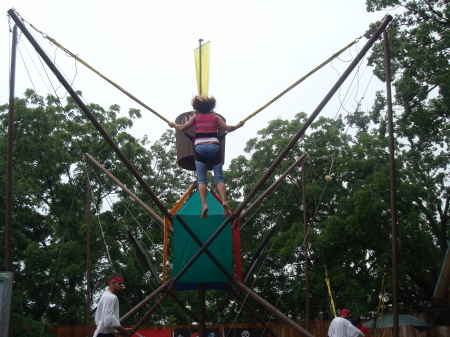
(202, 309)
(151, 311)
(145, 256)
(258, 254)
(200, 66)
(251, 310)
(392, 179)
(162, 288)
(88, 114)
(263, 245)
(305, 248)
(272, 187)
(126, 190)
(273, 310)
(88, 248)
(9, 156)
(9, 165)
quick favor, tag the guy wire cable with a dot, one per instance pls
(270, 248)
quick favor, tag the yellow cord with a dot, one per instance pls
(302, 79)
(380, 307)
(102, 76)
(166, 120)
(332, 306)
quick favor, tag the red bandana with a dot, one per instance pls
(120, 278)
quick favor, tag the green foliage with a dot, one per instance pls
(347, 232)
(49, 230)
(23, 326)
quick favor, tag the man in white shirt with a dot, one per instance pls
(107, 314)
(341, 326)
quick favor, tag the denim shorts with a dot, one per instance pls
(208, 151)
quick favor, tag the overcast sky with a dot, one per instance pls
(258, 49)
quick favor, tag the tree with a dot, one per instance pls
(348, 218)
(49, 230)
(419, 47)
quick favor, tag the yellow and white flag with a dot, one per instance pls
(201, 55)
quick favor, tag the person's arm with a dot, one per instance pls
(226, 127)
(123, 331)
(182, 127)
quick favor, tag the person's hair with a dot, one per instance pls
(356, 320)
(113, 276)
(204, 104)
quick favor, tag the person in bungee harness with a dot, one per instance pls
(207, 147)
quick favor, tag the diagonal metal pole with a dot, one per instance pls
(145, 257)
(315, 113)
(12, 13)
(162, 288)
(151, 311)
(252, 311)
(275, 184)
(126, 190)
(272, 309)
(257, 255)
(294, 140)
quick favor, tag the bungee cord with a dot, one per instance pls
(302, 79)
(69, 53)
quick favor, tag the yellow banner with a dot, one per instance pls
(201, 55)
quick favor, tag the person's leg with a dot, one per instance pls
(203, 190)
(202, 187)
(220, 186)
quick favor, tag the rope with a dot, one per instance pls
(380, 307)
(68, 52)
(302, 79)
(330, 295)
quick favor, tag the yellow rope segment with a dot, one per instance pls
(302, 79)
(330, 295)
(380, 308)
(102, 76)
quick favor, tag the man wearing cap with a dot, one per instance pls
(341, 326)
(107, 314)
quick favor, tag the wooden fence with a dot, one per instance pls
(316, 328)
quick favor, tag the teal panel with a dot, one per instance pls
(203, 270)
